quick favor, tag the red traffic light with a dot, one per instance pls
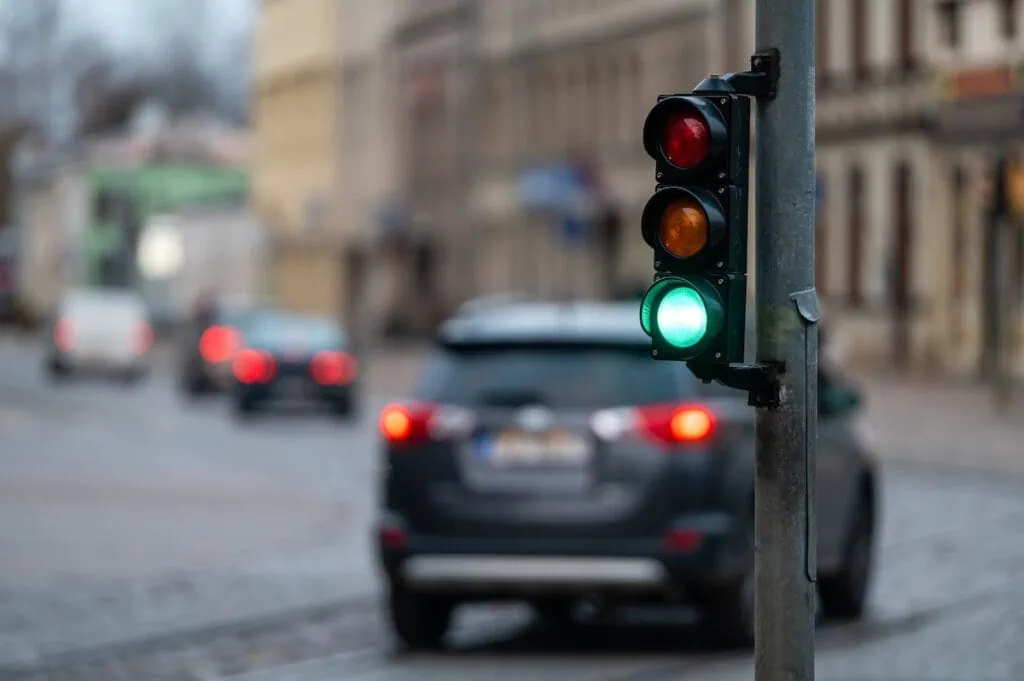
(686, 139)
(687, 135)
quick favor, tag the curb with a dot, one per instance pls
(184, 636)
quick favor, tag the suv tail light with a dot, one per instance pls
(64, 335)
(416, 422)
(218, 344)
(143, 338)
(667, 424)
(333, 368)
(253, 366)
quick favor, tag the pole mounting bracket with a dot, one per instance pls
(762, 80)
(760, 381)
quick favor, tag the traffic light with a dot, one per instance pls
(696, 222)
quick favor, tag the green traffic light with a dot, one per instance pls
(682, 317)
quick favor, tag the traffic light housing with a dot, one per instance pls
(696, 223)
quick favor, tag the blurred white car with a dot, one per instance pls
(101, 331)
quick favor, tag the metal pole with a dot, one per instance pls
(787, 316)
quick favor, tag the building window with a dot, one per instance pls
(959, 245)
(859, 40)
(903, 238)
(907, 47)
(949, 20)
(1009, 18)
(821, 19)
(855, 234)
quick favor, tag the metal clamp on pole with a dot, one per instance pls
(760, 381)
(760, 82)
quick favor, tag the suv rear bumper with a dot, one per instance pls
(495, 567)
(510, 572)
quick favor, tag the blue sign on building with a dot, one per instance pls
(558, 191)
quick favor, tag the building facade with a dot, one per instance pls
(434, 109)
(296, 137)
(324, 121)
(978, 50)
(561, 75)
(563, 79)
(370, 159)
(876, 95)
(436, 58)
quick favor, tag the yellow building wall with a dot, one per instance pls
(291, 34)
(296, 122)
(296, 157)
(308, 280)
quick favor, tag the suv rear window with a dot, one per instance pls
(570, 376)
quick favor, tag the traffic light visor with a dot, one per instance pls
(684, 228)
(686, 138)
(652, 294)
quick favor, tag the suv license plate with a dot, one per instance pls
(558, 448)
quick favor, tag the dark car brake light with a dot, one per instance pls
(416, 422)
(218, 344)
(253, 366)
(333, 368)
(663, 424)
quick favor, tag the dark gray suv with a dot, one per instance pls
(544, 456)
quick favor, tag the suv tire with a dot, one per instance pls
(419, 621)
(729, 608)
(844, 594)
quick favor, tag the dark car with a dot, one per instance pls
(288, 358)
(544, 456)
(209, 342)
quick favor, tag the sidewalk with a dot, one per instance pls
(944, 423)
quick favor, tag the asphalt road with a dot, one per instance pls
(127, 515)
